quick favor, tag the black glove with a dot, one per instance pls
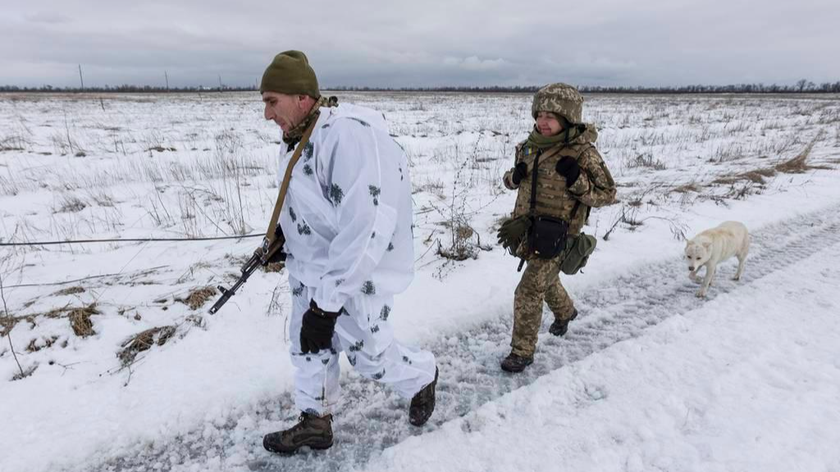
(568, 167)
(519, 173)
(317, 329)
(279, 255)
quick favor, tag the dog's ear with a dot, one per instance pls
(707, 245)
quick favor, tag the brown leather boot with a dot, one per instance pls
(312, 430)
(559, 327)
(423, 404)
(516, 363)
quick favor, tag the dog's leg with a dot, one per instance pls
(742, 259)
(710, 273)
(693, 276)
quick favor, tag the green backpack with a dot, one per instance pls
(578, 250)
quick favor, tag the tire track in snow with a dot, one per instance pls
(371, 418)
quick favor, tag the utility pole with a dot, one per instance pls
(220, 82)
(81, 79)
(167, 80)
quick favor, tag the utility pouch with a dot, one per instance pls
(578, 250)
(547, 237)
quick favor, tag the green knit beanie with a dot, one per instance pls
(290, 73)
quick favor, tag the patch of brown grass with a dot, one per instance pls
(35, 346)
(799, 164)
(80, 320)
(198, 297)
(143, 341)
(795, 165)
(758, 175)
(70, 291)
(686, 188)
(7, 323)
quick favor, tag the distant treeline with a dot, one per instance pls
(802, 86)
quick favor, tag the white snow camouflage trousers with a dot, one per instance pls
(366, 337)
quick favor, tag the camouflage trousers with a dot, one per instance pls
(365, 334)
(540, 282)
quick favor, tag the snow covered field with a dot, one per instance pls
(648, 378)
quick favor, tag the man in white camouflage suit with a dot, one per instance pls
(347, 221)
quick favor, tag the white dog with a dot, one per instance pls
(714, 246)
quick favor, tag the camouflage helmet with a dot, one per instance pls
(559, 98)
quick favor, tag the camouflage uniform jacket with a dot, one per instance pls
(593, 188)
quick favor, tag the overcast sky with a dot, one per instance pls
(421, 43)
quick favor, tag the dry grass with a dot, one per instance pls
(686, 188)
(646, 161)
(799, 164)
(198, 297)
(796, 165)
(70, 291)
(80, 320)
(7, 323)
(143, 341)
(35, 346)
(756, 176)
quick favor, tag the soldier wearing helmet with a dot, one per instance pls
(559, 176)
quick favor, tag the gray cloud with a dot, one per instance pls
(431, 43)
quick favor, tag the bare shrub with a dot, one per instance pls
(464, 242)
(461, 246)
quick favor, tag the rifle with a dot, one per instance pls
(261, 257)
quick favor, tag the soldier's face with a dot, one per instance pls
(285, 110)
(547, 124)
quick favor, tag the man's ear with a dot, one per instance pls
(305, 102)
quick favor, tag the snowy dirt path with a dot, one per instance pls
(372, 418)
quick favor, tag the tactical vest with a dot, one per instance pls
(553, 199)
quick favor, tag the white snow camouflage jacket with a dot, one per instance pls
(347, 217)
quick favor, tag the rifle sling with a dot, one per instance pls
(270, 234)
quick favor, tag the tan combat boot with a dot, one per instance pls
(312, 430)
